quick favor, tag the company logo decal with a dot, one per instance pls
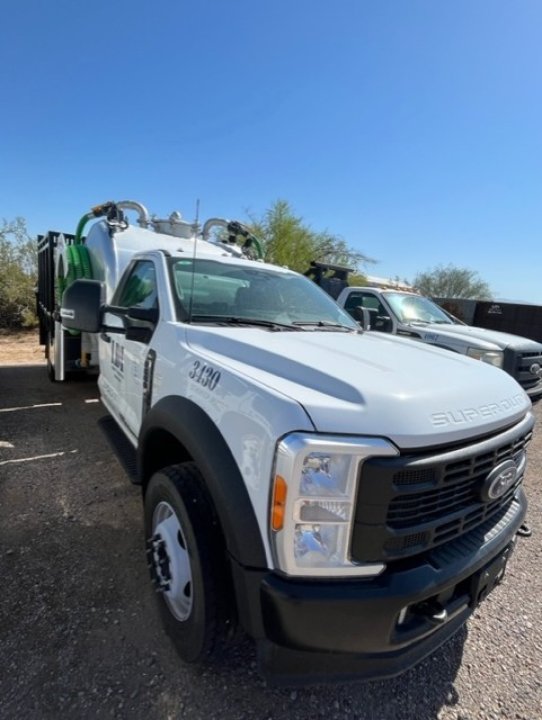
(431, 337)
(494, 310)
(535, 369)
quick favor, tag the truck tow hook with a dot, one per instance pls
(158, 563)
(431, 610)
(524, 530)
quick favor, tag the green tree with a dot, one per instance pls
(18, 275)
(287, 240)
(451, 281)
(358, 280)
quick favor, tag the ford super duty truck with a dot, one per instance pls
(414, 316)
(348, 498)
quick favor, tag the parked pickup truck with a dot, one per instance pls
(348, 498)
(415, 316)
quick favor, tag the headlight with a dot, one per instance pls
(493, 357)
(313, 503)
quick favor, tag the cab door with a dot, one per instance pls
(130, 357)
(111, 379)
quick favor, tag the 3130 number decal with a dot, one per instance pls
(205, 375)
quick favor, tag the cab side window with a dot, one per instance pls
(139, 289)
(366, 300)
(353, 300)
(380, 319)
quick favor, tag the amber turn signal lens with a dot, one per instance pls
(279, 503)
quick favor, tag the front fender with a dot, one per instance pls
(204, 443)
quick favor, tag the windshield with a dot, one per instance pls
(223, 292)
(416, 308)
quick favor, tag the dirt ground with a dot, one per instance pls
(20, 346)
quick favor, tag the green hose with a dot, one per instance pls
(78, 264)
(81, 226)
(256, 243)
(79, 267)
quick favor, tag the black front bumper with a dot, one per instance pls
(312, 631)
(535, 393)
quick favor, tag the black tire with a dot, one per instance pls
(199, 637)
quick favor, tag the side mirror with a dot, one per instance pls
(383, 323)
(146, 314)
(137, 331)
(82, 306)
(363, 316)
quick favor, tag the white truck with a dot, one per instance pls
(347, 498)
(417, 317)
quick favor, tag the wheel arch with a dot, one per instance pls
(177, 430)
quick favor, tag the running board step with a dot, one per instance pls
(121, 446)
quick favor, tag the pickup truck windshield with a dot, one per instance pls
(416, 308)
(225, 292)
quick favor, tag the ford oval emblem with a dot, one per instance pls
(499, 480)
(535, 369)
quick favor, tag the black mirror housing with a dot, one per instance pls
(82, 306)
(383, 323)
(145, 314)
(363, 316)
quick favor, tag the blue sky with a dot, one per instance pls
(412, 128)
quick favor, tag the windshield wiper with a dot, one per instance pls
(324, 324)
(236, 320)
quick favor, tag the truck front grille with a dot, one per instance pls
(412, 503)
(523, 374)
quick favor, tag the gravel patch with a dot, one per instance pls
(20, 347)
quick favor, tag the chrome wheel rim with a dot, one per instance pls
(171, 561)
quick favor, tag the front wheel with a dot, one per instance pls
(186, 559)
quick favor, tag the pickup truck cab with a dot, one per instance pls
(319, 485)
(417, 317)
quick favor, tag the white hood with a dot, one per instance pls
(370, 384)
(493, 339)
